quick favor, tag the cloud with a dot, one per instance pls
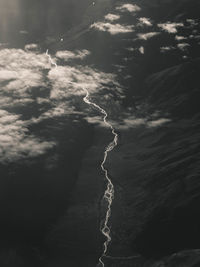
(164, 49)
(192, 22)
(23, 32)
(96, 120)
(112, 17)
(69, 81)
(25, 80)
(141, 49)
(183, 46)
(131, 49)
(112, 28)
(158, 122)
(31, 47)
(8, 101)
(15, 141)
(128, 7)
(67, 55)
(20, 71)
(179, 38)
(133, 122)
(33, 91)
(195, 37)
(6, 75)
(17, 59)
(145, 21)
(146, 36)
(170, 27)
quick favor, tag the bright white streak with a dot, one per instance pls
(109, 192)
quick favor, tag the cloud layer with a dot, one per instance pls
(112, 28)
(16, 142)
(170, 27)
(32, 88)
(148, 35)
(112, 17)
(67, 55)
(128, 7)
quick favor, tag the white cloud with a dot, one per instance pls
(8, 101)
(179, 38)
(158, 122)
(192, 22)
(69, 81)
(146, 36)
(23, 76)
(61, 110)
(134, 122)
(15, 141)
(164, 49)
(112, 28)
(145, 21)
(6, 75)
(96, 120)
(129, 8)
(31, 47)
(17, 59)
(112, 17)
(130, 122)
(21, 85)
(21, 70)
(195, 37)
(183, 46)
(67, 55)
(170, 27)
(23, 32)
(131, 49)
(141, 49)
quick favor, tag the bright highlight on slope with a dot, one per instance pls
(109, 192)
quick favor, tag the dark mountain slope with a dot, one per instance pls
(176, 90)
(168, 9)
(155, 169)
(159, 185)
